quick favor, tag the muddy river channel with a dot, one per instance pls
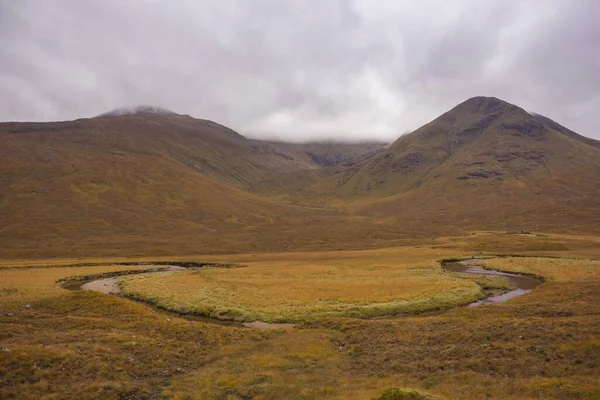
(523, 284)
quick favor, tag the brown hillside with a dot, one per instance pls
(327, 159)
(326, 154)
(485, 163)
(199, 145)
(160, 183)
(145, 183)
(143, 178)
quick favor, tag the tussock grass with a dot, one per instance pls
(544, 345)
(60, 344)
(548, 268)
(364, 285)
(34, 284)
(405, 394)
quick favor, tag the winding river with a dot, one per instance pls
(522, 284)
(111, 286)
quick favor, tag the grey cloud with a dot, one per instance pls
(302, 69)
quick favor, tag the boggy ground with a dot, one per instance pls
(299, 287)
(60, 344)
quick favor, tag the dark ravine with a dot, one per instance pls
(523, 283)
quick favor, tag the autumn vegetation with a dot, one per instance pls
(342, 240)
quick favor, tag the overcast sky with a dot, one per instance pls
(302, 69)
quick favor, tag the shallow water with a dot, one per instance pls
(523, 284)
(110, 286)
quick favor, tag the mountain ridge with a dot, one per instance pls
(167, 183)
(484, 163)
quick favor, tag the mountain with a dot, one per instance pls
(199, 145)
(485, 163)
(326, 153)
(328, 158)
(152, 182)
(140, 181)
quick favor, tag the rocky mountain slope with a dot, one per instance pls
(154, 182)
(483, 163)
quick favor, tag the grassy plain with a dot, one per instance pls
(370, 284)
(28, 284)
(59, 344)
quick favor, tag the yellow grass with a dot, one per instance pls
(302, 364)
(86, 345)
(552, 269)
(81, 345)
(296, 287)
(38, 283)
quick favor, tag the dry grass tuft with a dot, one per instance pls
(405, 394)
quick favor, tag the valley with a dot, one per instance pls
(91, 345)
(193, 238)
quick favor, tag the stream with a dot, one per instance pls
(523, 284)
(111, 286)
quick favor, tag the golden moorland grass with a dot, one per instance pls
(552, 269)
(61, 344)
(540, 346)
(29, 284)
(369, 284)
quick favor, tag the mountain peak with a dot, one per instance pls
(487, 105)
(137, 110)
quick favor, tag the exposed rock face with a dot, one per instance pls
(328, 160)
(479, 127)
(481, 174)
(408, 163)
(530, 128)
(532, 155)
